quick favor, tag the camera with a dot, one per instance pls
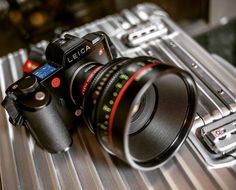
(140, 109)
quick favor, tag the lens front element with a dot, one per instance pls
(142, 110)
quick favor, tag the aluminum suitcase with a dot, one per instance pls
(205, 161)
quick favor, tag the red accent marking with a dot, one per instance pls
(218, 132)
(29, 66)
(56, 82)
(121, 93)
(89, 78)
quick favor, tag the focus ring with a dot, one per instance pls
(109, 96)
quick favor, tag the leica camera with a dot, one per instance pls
(141, 110)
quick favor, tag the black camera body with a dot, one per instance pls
(139, 109)
(43, 100)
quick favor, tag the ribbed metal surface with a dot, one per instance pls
(23, 165)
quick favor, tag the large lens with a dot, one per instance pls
(140, 110)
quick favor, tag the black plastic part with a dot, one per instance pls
(14, 115)
(37, 54)
(92, 38)
(28, 85)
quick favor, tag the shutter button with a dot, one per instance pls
(39, 95)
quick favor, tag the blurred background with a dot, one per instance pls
(23, 22)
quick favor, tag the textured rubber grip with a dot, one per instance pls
(48, 129)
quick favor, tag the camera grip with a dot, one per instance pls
(30, 103)
(48, 129)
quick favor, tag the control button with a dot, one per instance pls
(92, 38)
(56, 82)
(40, 96)
(28, 84)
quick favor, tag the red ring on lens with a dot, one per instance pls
(121, 93)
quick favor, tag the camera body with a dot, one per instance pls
(129, 103)
(43, 100)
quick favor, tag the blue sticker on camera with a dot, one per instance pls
(44, 71)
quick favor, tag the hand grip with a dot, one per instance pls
(48, 128)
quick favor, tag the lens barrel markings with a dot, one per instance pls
(125, 75)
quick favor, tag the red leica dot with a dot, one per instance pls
(56, 82)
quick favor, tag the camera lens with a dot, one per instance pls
(144, 111)
(140, 109)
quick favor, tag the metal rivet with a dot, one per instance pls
(78, 112)
(150, 52)
(194, 65)
(220, 91)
